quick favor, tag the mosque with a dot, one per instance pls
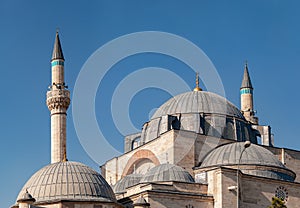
(197, 151)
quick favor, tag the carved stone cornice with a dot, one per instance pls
(58, 99)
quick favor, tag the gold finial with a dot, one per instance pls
(197, 88)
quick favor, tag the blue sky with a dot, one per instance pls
(266, 33)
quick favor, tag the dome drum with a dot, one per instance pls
(220, 126)
(200, 112)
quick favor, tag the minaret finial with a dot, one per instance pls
(197, 88)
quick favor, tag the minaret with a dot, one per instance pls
(58, 101)
(246, 91)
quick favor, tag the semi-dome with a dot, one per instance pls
(127, 181)
(167, 172)
(70, 181)
(197, 102)
(255, 160)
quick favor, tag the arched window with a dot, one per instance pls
(228, 132)
(135, 143)
(246, 134)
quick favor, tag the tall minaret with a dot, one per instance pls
(58, 101)
(246, 91)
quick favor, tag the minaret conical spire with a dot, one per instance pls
(246, 92)
(246, 83)
(57, 51)
(58, 101)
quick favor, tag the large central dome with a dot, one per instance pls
(70, 181)
(200, 112)
(198, 102)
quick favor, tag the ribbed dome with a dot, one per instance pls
(198, 102)
(255, 155)
(229, 155)
(167, 172)
(68, 181)
(127, 181)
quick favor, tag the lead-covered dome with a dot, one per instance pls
(255, 160)
(71, 181)
(200, 112)
(127, 181)
(167, 172)
(198, 102)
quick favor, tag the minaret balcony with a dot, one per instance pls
(58, 93)
(58, 99)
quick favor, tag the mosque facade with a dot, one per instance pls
(198, 150)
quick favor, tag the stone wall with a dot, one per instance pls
(254, 191)
(169, 195)
(183, 148)
(290, 158)
(158, 151)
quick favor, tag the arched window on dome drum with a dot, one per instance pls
(175, 124)
(190, 122)
(212, 126)
(240, 131)
(228, 132)
(246, 134)
(207, 125)
(220, 125)
(135, 143)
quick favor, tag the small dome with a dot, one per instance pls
(67, 181)
(198, 102)
(127, 181)
(167, 172)
(254, 155)
(26, 198)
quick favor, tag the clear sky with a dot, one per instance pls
(266, 33)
